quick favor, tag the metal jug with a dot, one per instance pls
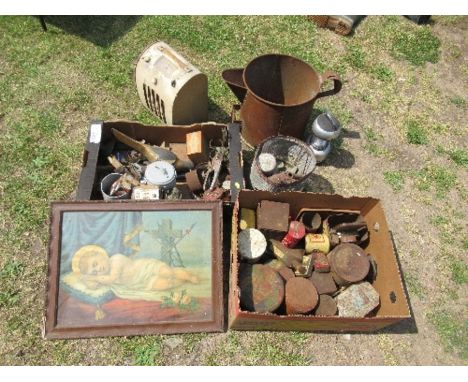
(277, 93)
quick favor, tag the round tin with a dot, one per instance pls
(300, 296)
(251, 244)
(323, 282)
(317, 242)
(261, 288)
(106, 185)
(282, 269)
(161, 174)
(267, 163)
(295, 234)
(348, 263)
(326, 306)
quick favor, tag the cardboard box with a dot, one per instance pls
(393, 299)
(100, 144)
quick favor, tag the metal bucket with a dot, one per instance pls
(277, 94)
(106, 185)
(284, 149)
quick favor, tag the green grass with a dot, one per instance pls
(395, 179)
(9, 283)
(441, 179)
(459, 157)
(452, 331)
(459, 271)
(144, 351)
(382, 73)
(417, 46)
(458, 101)
(415, 134)
(414, 285)
(355, 56)
(373, 143)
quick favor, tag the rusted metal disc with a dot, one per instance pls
(348, 263)
(326, 306)
(282, 269)
(323, 282)
(300, 296)
(261, 288)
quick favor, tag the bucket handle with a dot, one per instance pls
(329, 75)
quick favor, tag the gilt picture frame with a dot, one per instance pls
(134, 268)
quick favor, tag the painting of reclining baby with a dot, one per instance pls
(129, 266)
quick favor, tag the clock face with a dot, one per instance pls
(160, 173)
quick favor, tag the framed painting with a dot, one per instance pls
(126, 268)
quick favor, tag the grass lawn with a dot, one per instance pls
(403, 107)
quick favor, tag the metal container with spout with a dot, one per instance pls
(277, 93)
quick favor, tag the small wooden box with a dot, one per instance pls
(197, 147)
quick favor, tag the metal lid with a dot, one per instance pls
(267, 162)
(251, 244)
(261, 288)
(161, 174)
(349, 262)
(301, 296)
(326, 306)
(323, 282)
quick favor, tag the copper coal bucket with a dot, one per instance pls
(277, 93)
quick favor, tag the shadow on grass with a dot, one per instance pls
(100, 30)
(217, 114)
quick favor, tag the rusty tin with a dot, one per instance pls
(295, 234)
(273, 218)
(306, 268)
(282, 269)
(261, 288)
(348, 263)
(300, 296)
(326, 306)
(358, 300)
(320, 261)
(315, 242)
(323, 282)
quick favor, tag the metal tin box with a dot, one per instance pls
(393, 300)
